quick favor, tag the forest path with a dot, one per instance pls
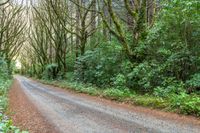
(47, 109)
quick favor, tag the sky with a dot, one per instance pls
(24, 2)
(18, 64)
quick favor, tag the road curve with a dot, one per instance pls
(71, 113)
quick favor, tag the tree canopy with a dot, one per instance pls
(144, 46)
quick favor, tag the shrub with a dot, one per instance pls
(186, 104)
(69, 76)
(117, 94)
(6, 125)
(3, 69)
(120, 81)
(5, 82)
(51, 71)
(194, 81)
(193, 84)
(89, 90)
(99, 66)
(167, 44)
(168, 87)
(145, 76)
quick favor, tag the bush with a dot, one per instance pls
(194, 81)
(3, 69)
(120, 81)
(6, 125)
(99, 66)
(5, 82)
(145, 76)
(70, 62)
(193, 84)
(89, 90)
(167, 52)
(4, 86)
(69, 76)
(186, 104)
(166, 43)
(168, 87)
(117, 94)
(51, 71)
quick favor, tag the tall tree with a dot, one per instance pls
(11, 32)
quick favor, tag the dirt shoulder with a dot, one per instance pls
(159, 114)
(24, 114)
(63, 104)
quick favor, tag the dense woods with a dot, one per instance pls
(125, 48)
(11, 40)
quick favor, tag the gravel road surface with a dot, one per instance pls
(66, 112)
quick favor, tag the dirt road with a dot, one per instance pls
(61, 111)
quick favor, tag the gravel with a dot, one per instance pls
(62, 111)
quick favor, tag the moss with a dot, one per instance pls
(150, 101)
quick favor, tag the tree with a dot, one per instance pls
(4, 2)
(11, 32)
(137, 21)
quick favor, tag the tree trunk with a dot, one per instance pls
(77, 30)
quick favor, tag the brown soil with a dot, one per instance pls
(24, 114)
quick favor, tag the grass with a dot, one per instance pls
(184, 104)
(111, 93)
(151, 101)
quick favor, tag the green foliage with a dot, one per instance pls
(83, 88)
(120, 81)
(5, 82)
(168, 87)
(51, 71)
(100, 65)
(186, 104)
(70, 59)
(174, 40)
(69, 76)
(163, 64)
(6, 125)
(194, 81)
(167, 62)
(117, 94)
(181, 102)
(170, 50)
(144, 76)
(4, 85)
(151, 101)
(79, 87)
(3, 69)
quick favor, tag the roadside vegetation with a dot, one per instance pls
(180, 103)
(144, 52)
(10, 44)
(6, 125)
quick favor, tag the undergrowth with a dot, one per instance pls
(6, 125)
(181, 103)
